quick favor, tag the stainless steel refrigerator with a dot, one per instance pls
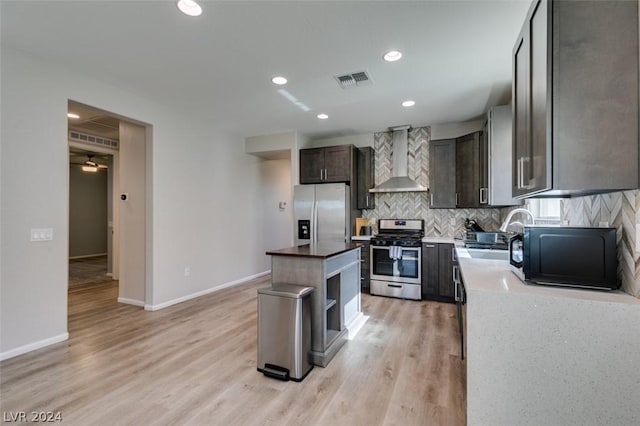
(321, 213)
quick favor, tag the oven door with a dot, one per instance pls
(403, 270)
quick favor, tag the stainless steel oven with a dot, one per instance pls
(396, 259)
(404, 269)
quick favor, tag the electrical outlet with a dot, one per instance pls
(453, 221)
(187, 272)
(603, 224)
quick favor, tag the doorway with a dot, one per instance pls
(90, 217)
(110, 152)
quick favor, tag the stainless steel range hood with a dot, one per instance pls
(399, 181)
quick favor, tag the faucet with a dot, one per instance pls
(507, 221)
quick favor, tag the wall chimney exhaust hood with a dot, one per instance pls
(399, 181)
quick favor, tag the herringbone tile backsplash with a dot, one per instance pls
(415, 205)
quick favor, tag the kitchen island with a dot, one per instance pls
(548, 355)
(333, 270)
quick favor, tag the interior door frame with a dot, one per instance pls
(115, 255)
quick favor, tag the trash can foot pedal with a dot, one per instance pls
(276, 372)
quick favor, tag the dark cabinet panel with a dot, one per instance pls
(468, 166)
(332, 164)
(575, 126)
(365, 172)
(446, 262)
(429, 271)
(442, 176)
(338, 163)
(311, 165)
(365, 267)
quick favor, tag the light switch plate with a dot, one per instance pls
(453, 221)
(41, 234)
(603, 224)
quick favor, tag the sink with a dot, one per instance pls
(488, 254)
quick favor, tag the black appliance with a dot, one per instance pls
(566, 256)
(396, 258)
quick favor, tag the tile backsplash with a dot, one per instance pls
(415, 205)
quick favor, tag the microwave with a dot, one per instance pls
(566, 256)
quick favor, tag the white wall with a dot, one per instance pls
(278, 223)
(360, 140)
(454, 130)
(205, 190)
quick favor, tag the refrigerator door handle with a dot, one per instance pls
(314, 222)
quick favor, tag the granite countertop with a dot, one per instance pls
(321, 250)
(495, 276)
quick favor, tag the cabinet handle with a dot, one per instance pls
(431, 199)
(456, 198)
(521, 173)
(367, 203)
(321, 173)
(455, 286)
(453, 255)
(394, 285)
(430, 245)
(484, 195)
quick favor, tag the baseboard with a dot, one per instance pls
(204, 292)
(33, 346)
(86, 256)
(355, 325)
(133, 302)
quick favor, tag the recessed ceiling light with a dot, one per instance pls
(323, 116)
(189, 7)
(408, 103)
(279, 80)
(72, 115)
(392, 56)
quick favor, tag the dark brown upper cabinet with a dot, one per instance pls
(442, 175)
(575, 97)
(327, 165)
(366, 178)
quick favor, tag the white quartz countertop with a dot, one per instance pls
(360, 237)
(543, 355)
(496, 276)
(438, 240)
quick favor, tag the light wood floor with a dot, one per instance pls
(195, 363)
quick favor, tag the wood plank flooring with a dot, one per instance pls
(195, 364)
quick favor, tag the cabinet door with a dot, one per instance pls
(520, 111)
(537, 167)
(364, 267)
(442, 174)
(311, 165)
(365, 176)
(429, 271)
(468, 171)
(446, 262)
(337, 163)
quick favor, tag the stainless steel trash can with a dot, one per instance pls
(284, 331)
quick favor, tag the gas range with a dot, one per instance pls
(399, 232)
(396, 260)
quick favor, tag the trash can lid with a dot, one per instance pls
(287, 290)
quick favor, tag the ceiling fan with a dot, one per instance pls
(91, 166)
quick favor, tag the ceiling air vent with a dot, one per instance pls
(93, 140)
(359, 78)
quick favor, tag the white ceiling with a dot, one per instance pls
(456, 64)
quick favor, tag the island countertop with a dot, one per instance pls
(322, 250)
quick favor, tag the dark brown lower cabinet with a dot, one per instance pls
(438, 261)
(429, 271)
(364, 267)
